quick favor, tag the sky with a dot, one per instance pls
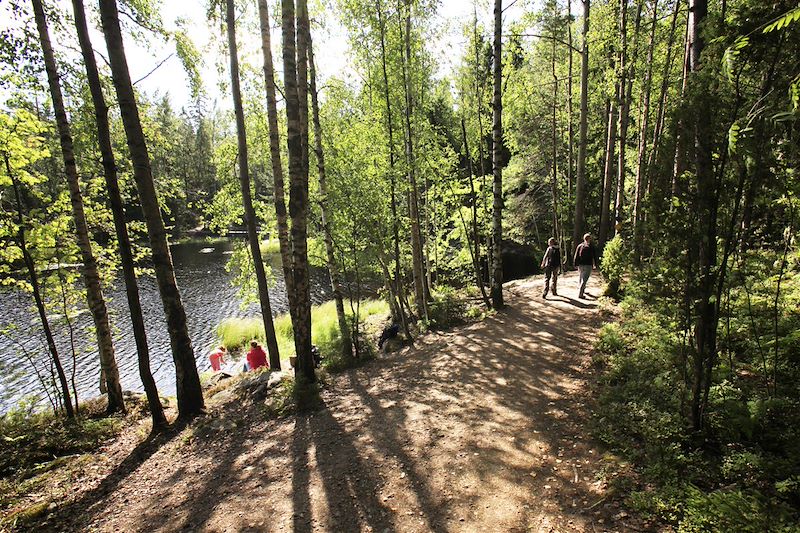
(331, 47)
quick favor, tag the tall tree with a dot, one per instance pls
(706, 204)
(662, 100)
(398, 271)
(91, 276)
(474, 253)
(608, 168)
(117, 211)
(497, 142)
(680, 164)
(188, 389)
(294, 68)
(644, 124)
(580, 186)
(623, 106)
(570, 129)
(16, 156)
(417, 259)
(247, 199)
(554, 134)
(333, 269)
(279, 193)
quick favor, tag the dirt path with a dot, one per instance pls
(478, 429)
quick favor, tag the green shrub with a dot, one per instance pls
(737, 510)
(609, 340)
(613, 264)
(32, 439)
(447, 308)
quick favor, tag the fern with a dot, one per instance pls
(790, 17)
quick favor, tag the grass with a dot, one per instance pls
(43, 454)
(235, 333)
(33, 439)
(270, 246)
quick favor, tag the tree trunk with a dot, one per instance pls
(91, 277)
(580, 186)
(497, 141)
(608, 174)
(247, 200)
(37, 296)
(294, 61)
(413, 201)
(626, 87)
(707, 203)
(644, 116)
(481, 139)
(474, 254)
(398, 273)
(274, 145)
(662, 101)
(118, 212)
(333, 270)
(189, 392)
(680, 134)
(570, 129)
(554, 135)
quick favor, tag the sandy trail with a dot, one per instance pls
(482, 428)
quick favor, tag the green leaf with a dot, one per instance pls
(783, 21)
(733, 137)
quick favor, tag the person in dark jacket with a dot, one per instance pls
(585, 259)
(551, 263)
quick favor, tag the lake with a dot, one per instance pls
(208, 298)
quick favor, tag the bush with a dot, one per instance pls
(30, 440)
(447, 308)
(741, 472)
(613, 264)
(734, 510)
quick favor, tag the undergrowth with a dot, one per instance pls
(742, 472)
(31, 440)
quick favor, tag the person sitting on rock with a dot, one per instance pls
(217, 358)
(389, 332)
(256, 357)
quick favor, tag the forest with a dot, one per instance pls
(376, 222)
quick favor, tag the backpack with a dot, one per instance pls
(585, 254)
(555, 257)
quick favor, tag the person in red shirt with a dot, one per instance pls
(217, 357)
(256, 357)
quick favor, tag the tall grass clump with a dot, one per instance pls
(235, 333)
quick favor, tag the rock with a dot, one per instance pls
(216, 379)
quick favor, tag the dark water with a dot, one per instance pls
(208, 298)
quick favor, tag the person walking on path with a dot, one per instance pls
(551, 263)
(585, 259)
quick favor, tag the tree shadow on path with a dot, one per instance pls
(83, 510)
(349, 482)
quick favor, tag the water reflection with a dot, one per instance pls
(207, 296)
